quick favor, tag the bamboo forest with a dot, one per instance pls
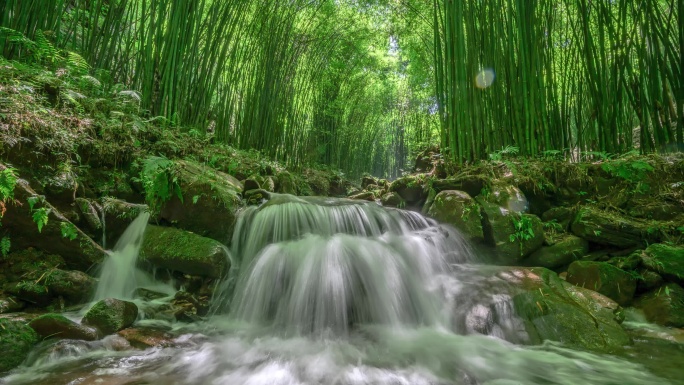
(343, 192)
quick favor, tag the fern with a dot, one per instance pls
(40, 217)
(8, 180)
(68, 230)
(160, 181)
(5, 245)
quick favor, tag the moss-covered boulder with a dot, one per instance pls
(368, 180)
(16, 341)
(285, 183)
(514, 236)
(460, 210)
(72, 285)
(472, 185)
(609, 228)
(78, 249)
(110, 315)
(392, 199)
(210, 201)
(364, 196)
(411, 188)
(31, 292)
(533, 305)
(183, 251)
(668, 261)
(118, 215)
(664, 305)
(10, 304)
(565, 251)
(507, 196)
(58, 326)
(603, 278)
(562, 216)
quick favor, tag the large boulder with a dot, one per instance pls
(608, 228)
(392, 199)
(57, 236)
(562, 253)
(118, 215)
(532, 305)
(460, 210)
(411, 188)
(664, 305)
(668, 261)
(507, 196)
(210, 201)
(472, 185)
(183, 251)
(16, 341)
(514, 236)
(604, 278)
(57, 326)
(110, 315)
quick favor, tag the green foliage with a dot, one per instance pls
(160, 181)
(68, 230)
(523, 230)
(8, 180)
(500, 154)
(5, 245)
(40, 217)
(633, 171)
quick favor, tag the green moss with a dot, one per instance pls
(16, 341)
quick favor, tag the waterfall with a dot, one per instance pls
(119, 275)
(318, 265)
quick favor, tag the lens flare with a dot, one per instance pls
(484, 78)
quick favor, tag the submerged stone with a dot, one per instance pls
(111, 315)
(183, 251)
(604, 278)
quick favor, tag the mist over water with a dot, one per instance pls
(331, 291)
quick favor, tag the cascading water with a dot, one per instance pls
(327, 291)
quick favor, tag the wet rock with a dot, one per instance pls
(532, 305)
(460, 210)
(183, 251)
(365, 196)
(561, 253)
(118, 216)
(392, 199)
(80, 253)
(10, 304)
(110, 315)
(189, 308)
(147, 338)
(268, 184)
(256, 197)
(608, 228)
(207, 195)
(603, 278)
(89, 213)
(632, 262)
(16, 341)
(668, 261)
(58, 326)
(664, 305)
(74, 286)
(285, 183)
(514, 236)
(509, 197)
(411, 188)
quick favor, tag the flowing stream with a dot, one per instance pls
(331, 291)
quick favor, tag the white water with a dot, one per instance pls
(336, 292)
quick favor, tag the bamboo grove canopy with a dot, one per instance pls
(362, 85)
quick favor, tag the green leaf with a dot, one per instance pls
(5, 245)
(40, 217)
(68, 230)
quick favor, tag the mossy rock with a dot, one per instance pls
(609, 228)
(10, 304)
(183, 251)
(285, 183)
(562, 253)
(472, 185)
(411, 188)
(460, 210)
(73, 285)
(57, 326)
(563, 216)
(603, 278)
(210, 201)
(507, 196)
(79, 253)
(368, 180)
(118, 216)
(110, 315)
(32, 292)
(664, 305)
(533, 305)
(512, 245)
(16, 341)
(364, 196)
(668, 261)
(392, 199)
